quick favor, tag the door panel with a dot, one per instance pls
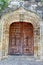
(21, 38)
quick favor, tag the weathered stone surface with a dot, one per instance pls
(28, 16)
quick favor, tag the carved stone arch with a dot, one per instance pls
(15, 17)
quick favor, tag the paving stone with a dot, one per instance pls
(14, 60)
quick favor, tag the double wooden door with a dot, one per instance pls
(21, 39)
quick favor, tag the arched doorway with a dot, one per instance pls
(21, 39)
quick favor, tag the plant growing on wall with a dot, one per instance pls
(41, 0)
(3, 4)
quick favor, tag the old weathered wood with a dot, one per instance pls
(21, 39)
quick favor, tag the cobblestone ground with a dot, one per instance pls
(17, 60)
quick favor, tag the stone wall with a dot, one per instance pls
(16, 16)
(41, 39)
(0, 39)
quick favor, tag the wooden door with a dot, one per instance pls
(21, 39)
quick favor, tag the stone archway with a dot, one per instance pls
(21, 15)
